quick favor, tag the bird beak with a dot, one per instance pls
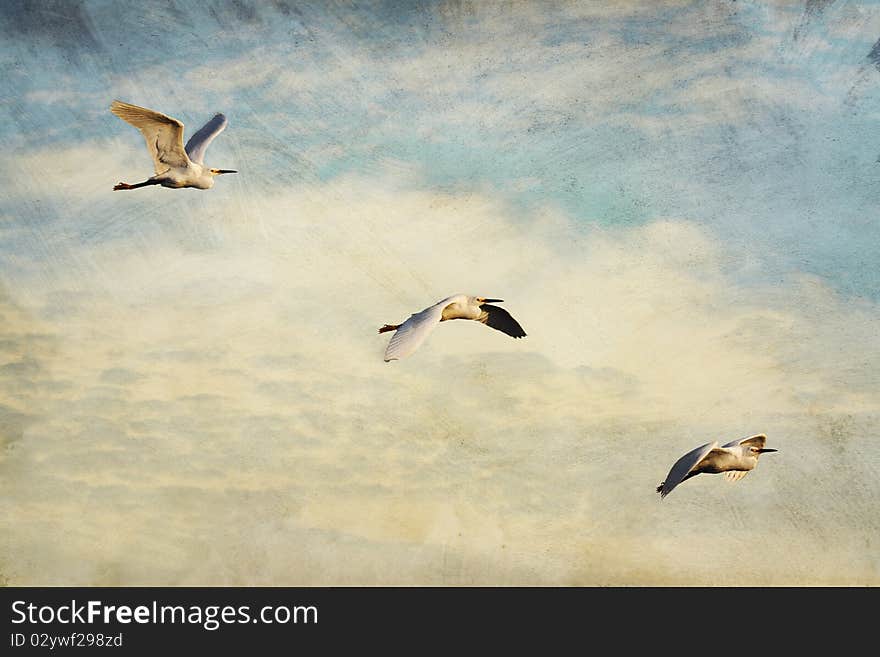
(226, 171)
(493, 300)
(761, 451)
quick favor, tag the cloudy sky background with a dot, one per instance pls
(677, 200)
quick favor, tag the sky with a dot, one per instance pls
(677, 201)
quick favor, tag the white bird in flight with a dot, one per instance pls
(409, 335)
(736, 459)
(176, 166)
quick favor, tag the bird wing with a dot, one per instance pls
(198, 143)
(412, 332)
(757, 440)
(501, 320)
(683, 466)
(163, 134)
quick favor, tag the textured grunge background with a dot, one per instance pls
(677, 200)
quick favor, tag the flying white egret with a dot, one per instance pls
(176, 166)
(735, 459)
(409, 335)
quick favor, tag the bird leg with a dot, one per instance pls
(123, 185)
(389, 327)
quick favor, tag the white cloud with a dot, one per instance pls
(78, 173)
(497, 71)
(226, 411)
(192, 388)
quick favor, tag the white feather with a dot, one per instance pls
(163, 134)
(199, 142)
(412, 332)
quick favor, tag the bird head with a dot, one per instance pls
(217, 172)
(481, 300)
(757, 451)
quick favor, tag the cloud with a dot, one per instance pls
(587, 64)
(77, 174)
(119, 376)
(235, 420)
(191, 385)
(717, 117)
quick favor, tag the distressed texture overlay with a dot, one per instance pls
(677, 200)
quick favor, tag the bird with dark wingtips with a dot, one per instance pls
(409, 335)
(176, 165)
(735, 459)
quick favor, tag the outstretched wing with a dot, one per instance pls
(682, 468)
(757, 440)
(163, 134)
(198, 143)
(412, 332)
(501, 320)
